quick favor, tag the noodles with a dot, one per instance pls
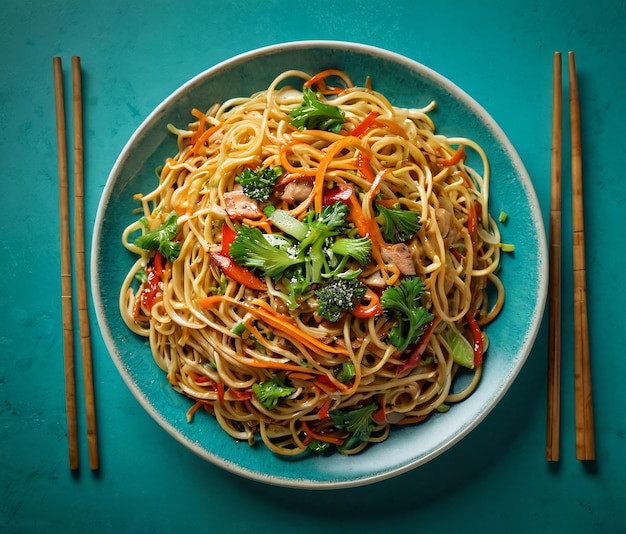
(257, 342)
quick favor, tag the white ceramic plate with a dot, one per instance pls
(405, 83)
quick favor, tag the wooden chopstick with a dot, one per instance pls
(66, 269)
(554, 338)
(66, 266)
(79, 259)
(585, 442)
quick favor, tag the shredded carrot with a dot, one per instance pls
(327, 437)
(274, 319)
(411, 420)
(363, 164)
(365, 226)
(285, 149)
(320, 80)
(297, 375)
(202, 117)
(368, 122)
(393, 127)
(456, 157)
(199, 404)
(369, 228)
(317, 193)
(213, 300)
(262, 223)
(281, 322)
(203, 139)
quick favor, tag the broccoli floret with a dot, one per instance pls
(259, 184)
(339, 296)
(161, 238)
(316, 115)
(398, 225)
(403, 303)
(328, 224)
(359, 248)
(271, 391)
(251, 249)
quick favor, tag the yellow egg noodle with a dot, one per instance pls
(261, 345)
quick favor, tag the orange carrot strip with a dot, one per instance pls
(202, 117)
(328, 388)
(411, 420)
(320, 80)
(264, 311)
(203, 138)
(363, 164)
(318, 186)
(393, 127)
(456, 157)
(281, 322)
(261, 223)
(296, 375)
(368, 122)
(285, 149)
(327, 437)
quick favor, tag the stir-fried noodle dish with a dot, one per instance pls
(316, 265)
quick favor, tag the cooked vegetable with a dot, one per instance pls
(359, 248)
(398, 225)
(339, 296)
(259, 184)
(402, 302)
(358, 422)
(462, 351)
(271, 391)
(161, 238)
(251, 249)
(316, 115)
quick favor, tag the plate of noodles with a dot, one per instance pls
(306, 264)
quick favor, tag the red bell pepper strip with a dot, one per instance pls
(371, 306)
(365, 124)
(228, 236)
(415, 357)
(477, 337)
(340, 193)
(237, 272)
(322, 413)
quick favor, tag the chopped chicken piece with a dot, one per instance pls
(241, 206)
(399, 255)
(296, 191)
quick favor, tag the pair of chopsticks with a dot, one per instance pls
(585, 444)
(66, 266)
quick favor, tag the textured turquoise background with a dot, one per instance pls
(133, 55)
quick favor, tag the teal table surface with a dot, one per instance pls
(133, 55)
